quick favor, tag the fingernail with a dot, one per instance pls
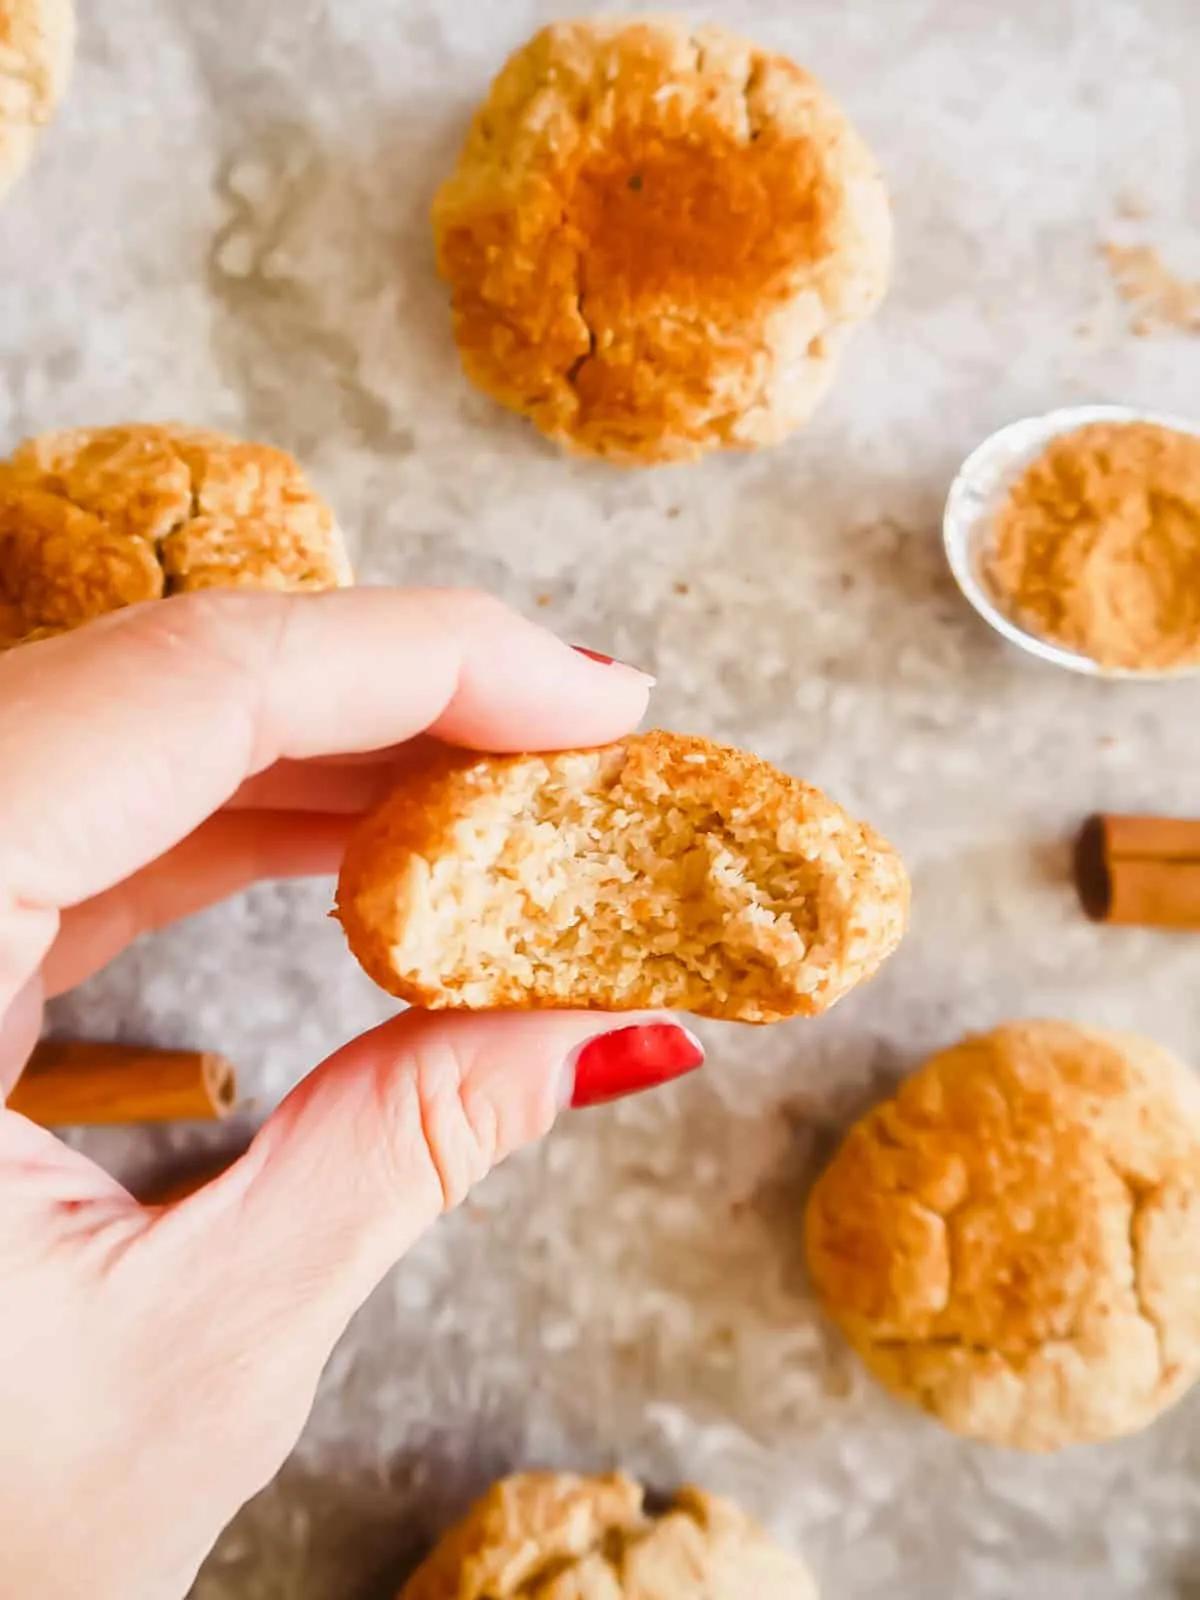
(629, 1060)
(610, 661)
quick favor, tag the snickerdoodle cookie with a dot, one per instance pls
(97, 518)
(657, 239)
(1012, 1241)
(555, 1536)
(661, 871)
(37, 39)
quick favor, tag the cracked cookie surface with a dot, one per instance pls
(556, 1536)
(93, 519)
(1011, 1241)
(37, 39)
(657, 239)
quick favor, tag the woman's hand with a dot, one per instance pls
(157, 1365)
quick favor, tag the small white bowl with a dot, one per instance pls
(976, 496)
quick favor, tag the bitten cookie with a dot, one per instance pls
(97, 518)
(37, 41)
(555, 1536)
(663, 871)
(1012, 1241)
(657, 239)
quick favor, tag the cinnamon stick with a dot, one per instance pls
(1140, 870)
(79, 1082)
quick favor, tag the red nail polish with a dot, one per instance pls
(632, 1059)
(611, 661)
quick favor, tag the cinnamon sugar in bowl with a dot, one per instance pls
(1076, 535)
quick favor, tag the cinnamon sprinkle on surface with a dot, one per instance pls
(1157, 296)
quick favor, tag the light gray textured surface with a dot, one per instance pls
(228, 225)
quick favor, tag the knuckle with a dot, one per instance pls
(428, 1108)
(229, 628)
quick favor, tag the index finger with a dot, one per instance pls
(118, 740)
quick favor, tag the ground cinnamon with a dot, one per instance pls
(1140, 870)
(1097, 545)
(79, 1082)
(1160, 299)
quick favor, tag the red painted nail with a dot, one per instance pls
(611, 661)
(632, 1059)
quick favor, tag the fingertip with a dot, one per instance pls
(603, 660)
(628, 1057)
(529, 690)
(538, 1063)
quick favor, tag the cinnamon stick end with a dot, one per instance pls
(1092, 876)
(220, 1084)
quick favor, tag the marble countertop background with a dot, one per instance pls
(227, 225)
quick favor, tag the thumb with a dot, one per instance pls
(19, 1029)
(268, 1263)
(390, 1132)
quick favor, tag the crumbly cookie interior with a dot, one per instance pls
(559, 871)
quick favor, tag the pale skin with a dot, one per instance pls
(156, 1365)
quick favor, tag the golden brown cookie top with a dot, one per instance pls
(1003, 1240)
(36, 42)
(556, 1536)
(97, 518)
(651, 231)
